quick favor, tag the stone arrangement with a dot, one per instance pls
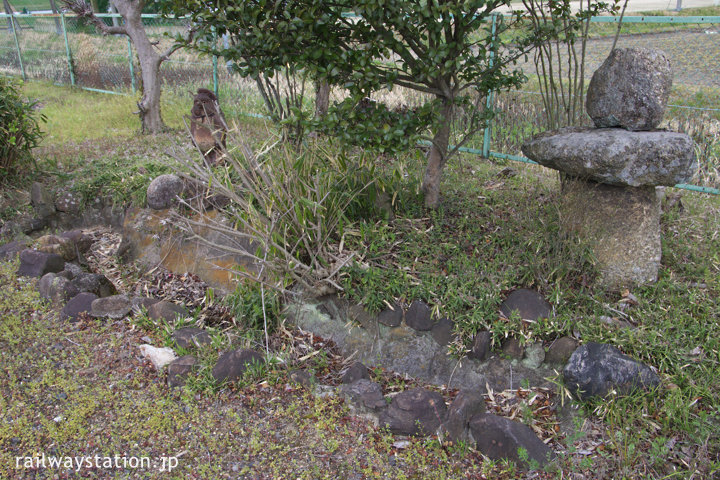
(612, 170)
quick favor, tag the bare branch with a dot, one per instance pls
(84, 10)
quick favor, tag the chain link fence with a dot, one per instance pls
(68, 51)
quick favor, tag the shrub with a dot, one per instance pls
(19, 128)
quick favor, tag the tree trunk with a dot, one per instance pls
(437, 157)
(150, 60)
(322, 98)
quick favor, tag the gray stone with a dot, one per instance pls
(364, 397)
(481, 346)
(392, 316)
(529, 305)
(512, 348)
(158, 356)
(163, 190)
(561, 350)
(68, 201)
(534, 355)
(442, 331)
(179, 370)
(615, 156)
(114, 306)
(355, 372)
(138, 303)
(82, 241)
(56, 289)
(95, 283)
(41, 200)
(233, 364)
(419, 316)
(71, 271)
(466, 405)
(37, 264)
(358, 314)
(630, 89)
(621, 225)
(416, 412)
(10, 250)
(78, 305)
(55, 244)
(304, 378)
(190, 337)
(167, 311)
(595, 370)
(499, 438)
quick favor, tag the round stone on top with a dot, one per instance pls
(630, 89)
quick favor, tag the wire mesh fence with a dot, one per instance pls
(66, 50)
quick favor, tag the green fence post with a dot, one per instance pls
(17, 45)
(68, 52)
(132, 68)
(491, 94)
(215, 64)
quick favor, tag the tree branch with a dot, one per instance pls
(84, 10)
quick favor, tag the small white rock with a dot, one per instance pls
(159, 357)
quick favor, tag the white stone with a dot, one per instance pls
(159, 357)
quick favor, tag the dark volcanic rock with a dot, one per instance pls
(595, 369)
(37, 264)
(190, 337)
(364, 395)
(114, 306)
(355, 372)
(138, 303)
(79, 304)
(615, 156)
(466, 405)
(12, 249)
(166, 310)
(498, 438)
(69, 202)
(56, 289)
(481, 346)
(41, 200)
(630, 89)
(232, 365)
(179, 369)
(529, 304)
(415, 412)
(442, 331)
(561, 350)
(419, 316)
(391, 317)
(94, 283)
(512, 348)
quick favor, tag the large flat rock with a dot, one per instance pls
(615, 156)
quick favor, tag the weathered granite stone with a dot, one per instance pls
(114, 306)
(560, 350)
(596, 369)
(36, 264)
(630, 89)
(499, 438)
(59, 245)
(391, 316)
(620, 224)
(162, 191)
(415, 412)
(615, 156)
(419, 316)
(179, 370)
(355, 372)
(529, 304)
(190, 337)
(78, 305)
(232, 365)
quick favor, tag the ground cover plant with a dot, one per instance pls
(495, 230)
